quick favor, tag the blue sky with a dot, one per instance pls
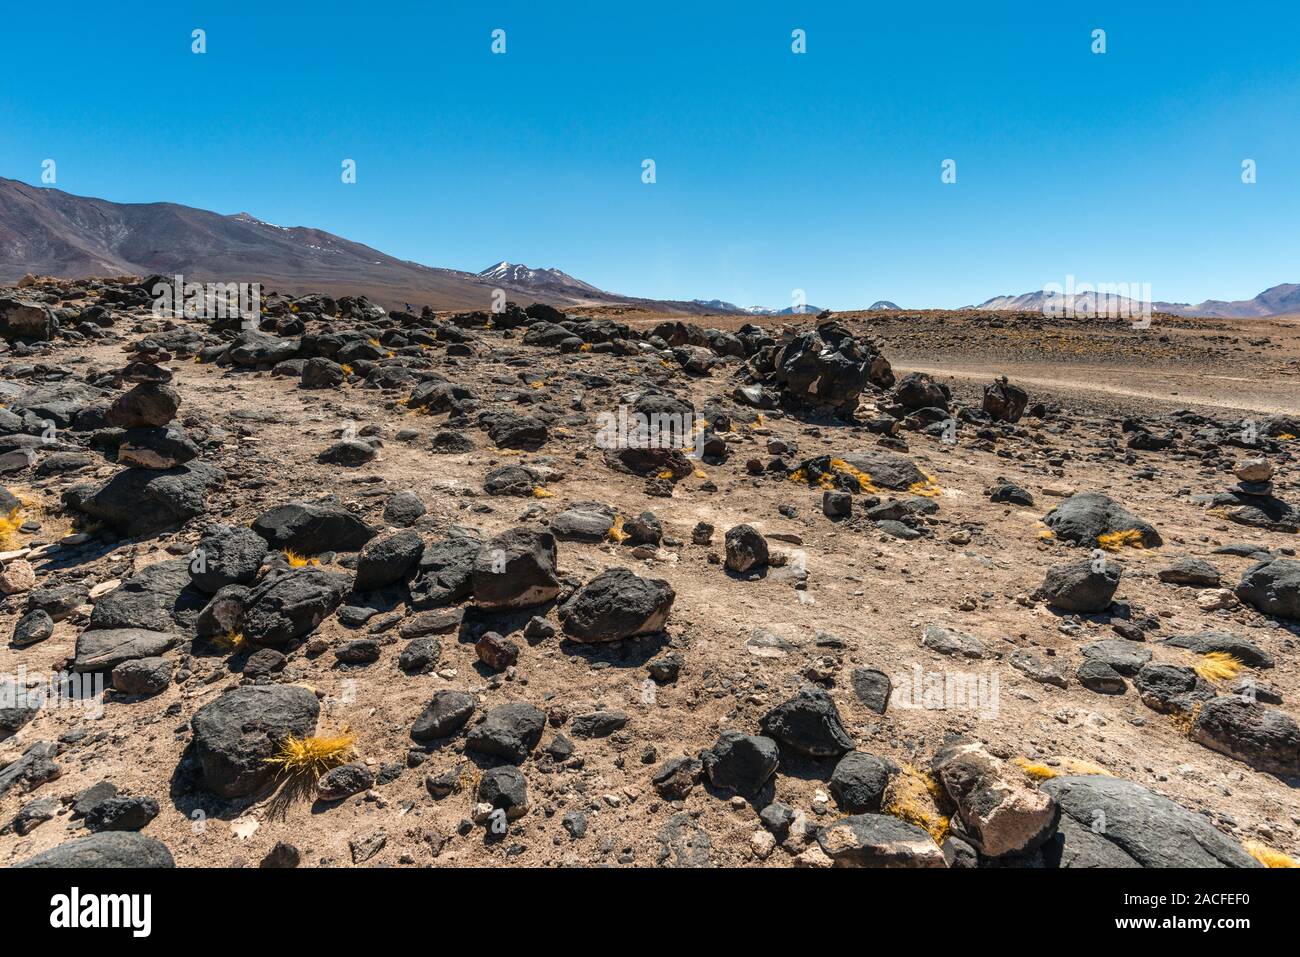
(775, 171)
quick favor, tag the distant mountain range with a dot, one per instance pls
(1274, 301)
(49, 232)
(721, 305)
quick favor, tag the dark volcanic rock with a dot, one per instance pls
(312, 527)
(386, 560)
(227, 556)
(878, 840)
(142, 676)
(235, 734)
(1005, 402)
(105, 648)
(828, 368)
(1263, 737)
(508, 731)
(141, 502)
(1086, 585)
(617, 604)
(808, 723)
(122, 814)
(444, 573)
(288, 606)
(444, 715)
(742, 763)
(858, 782)
(1088, 516)
(516, 569)
(109, 849)
(746, 549)
(1273, 587)
(1110, 822)
(1204, 642)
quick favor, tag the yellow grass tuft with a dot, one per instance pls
(1039, 772)
(314, 755)
(585, 347)
(1268, 856)
(298, 561)
(1218, 666)
(914, 797)
(347, 369)
(616, 533)
(927, 487)
(1114, 541)
(231, 641)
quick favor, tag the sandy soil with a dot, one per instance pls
(873, 592)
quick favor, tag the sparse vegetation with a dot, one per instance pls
(1218, 666)
(313, 756)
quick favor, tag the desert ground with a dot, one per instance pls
(838, 597)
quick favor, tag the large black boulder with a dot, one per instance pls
(312, 527)
(1110, 822)
(142, 502)
(236, 734)
(104, 850)
(617, 604)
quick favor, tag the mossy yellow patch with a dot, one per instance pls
(1268, 856)
(1185, 720)
(1114, 541)
(1217, 666)
(616, 533)
(1035, 770)
(298, 561)
(914, 796)
(539, 384)
(9, 525)
(585, 347)
(314, 755)
(539, 492)
(665, 474)
(1286, 437)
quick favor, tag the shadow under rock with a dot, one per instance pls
(624, 653)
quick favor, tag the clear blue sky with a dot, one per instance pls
(775, 171)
